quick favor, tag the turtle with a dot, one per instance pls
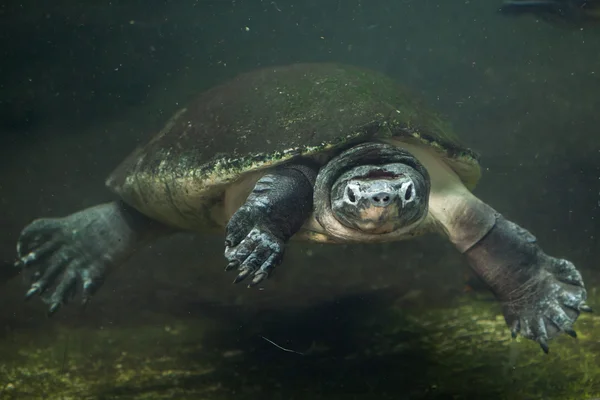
(324, 152)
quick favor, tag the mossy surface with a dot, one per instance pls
(360, 347)
(270, 116)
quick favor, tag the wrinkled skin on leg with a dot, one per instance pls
(541, 296)
(275, 210)
(60, 254)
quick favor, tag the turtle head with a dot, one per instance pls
(378, 198)
(370, 190)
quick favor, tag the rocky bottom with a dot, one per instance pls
(359, 347)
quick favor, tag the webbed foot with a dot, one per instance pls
(55, 255)
(60, 254)
(541, 296)
(552, 307)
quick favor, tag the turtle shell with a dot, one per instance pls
(267, 117)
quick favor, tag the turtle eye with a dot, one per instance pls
(351, 195)
(408, 194)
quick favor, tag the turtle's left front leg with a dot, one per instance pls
(275, 210)
(541, 296)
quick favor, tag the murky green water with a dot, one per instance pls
(82, 84)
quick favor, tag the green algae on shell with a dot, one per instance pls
(271, 116)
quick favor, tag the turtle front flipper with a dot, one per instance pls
(58, 254)
(542, 296)
(275, 210)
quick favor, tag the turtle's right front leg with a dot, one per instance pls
(275, 210)
(59, 254)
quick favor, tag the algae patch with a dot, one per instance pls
(368, 352)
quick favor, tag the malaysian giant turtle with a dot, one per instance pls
(322, 152)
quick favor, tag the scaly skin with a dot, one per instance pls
(275, 210)
(541, 296)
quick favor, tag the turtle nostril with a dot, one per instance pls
(381, 199)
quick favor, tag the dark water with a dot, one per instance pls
(82, 84)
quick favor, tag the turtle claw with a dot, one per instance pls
(53, 308)
(241, 276)
(258, 278)
(54, 255)
(231, 265)
(32, 290)
(552, 313)
(257, 254)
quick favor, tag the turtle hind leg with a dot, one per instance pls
(59, 254)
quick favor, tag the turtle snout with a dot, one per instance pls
(375, 193)
(382, 199)
(379, 199)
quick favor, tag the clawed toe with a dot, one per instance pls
(33, 289)
(552, 313)
(242, 275)
(256, 256)
(55, 264)
(258, 278)
(36, 254)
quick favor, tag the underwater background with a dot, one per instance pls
(81, 84)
